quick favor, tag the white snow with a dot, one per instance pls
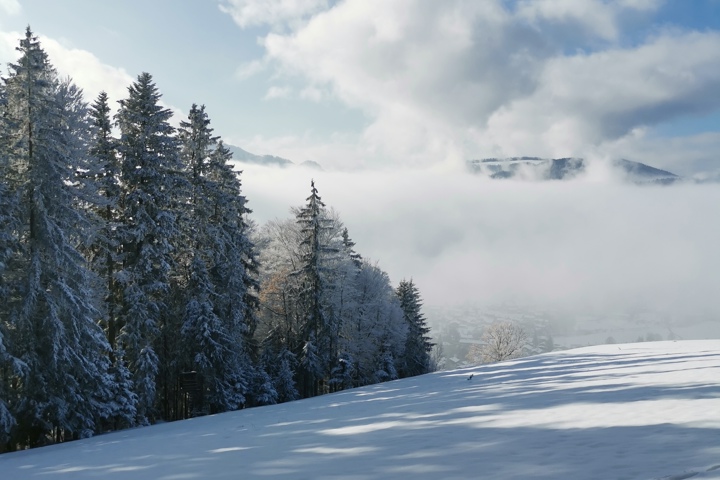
(634, 411)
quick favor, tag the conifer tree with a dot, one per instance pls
(315, 355)
(105, 249)
(105, 253)
(235, 264)
(8, 246)
(219, 314)
(349, 247)
(61, 390)
(417, 345)
(152, 181)
(9, 365)
(280, 365)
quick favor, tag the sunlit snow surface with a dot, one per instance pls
(639, 411)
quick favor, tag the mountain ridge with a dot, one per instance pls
(243, 156)
(526, 167)
(566, 168)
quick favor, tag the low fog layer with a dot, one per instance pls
(589, 244)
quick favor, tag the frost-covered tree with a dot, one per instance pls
(8, 247)
(62, 389)
(349, 249)
(10, 367)
(213, 352)
(280, 364)
(363, 331)
(219, 316)
(104, 252)
(151, 180)
(500, 341)
(374, 333)
(235, 261)
(416, 358)
(318, 325)
(106, 246)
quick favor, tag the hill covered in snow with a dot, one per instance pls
(631, 411)
(243, 156)
(566, 168)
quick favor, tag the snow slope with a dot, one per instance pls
(636, 411)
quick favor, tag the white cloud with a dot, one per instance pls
(585, 100)
(587, 16)
(311, 93)
(277, 92)
(250, 69)
(8, 42)
(10, 7)
(247, 13)
(88, 71)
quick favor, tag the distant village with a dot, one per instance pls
(456, 329)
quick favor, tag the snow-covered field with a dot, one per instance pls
(634, 411)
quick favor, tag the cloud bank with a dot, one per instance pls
(592, 244)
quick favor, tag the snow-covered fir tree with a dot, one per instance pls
(152, 184)
(349, 248)
(217, 315)
(235, 266)
(318, 334)
(416, 358)
(373, 335)
(8, 247)
(104, 253)
(105, 248)
(10, 367)
(61, 391)
(235, 263)
(279, 364)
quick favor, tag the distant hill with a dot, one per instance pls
(244, 156)
(501, 168)
(564, 168)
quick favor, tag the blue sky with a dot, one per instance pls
(356, 84)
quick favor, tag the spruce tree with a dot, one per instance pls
(9, 365)
(8, 247)
(105, 253)
(235, 264)
(105, 249)
(280, 365)
(316, 337)
(349, 248)
(216, 316)
(61, 391)
(418, 345)
(151, 180)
